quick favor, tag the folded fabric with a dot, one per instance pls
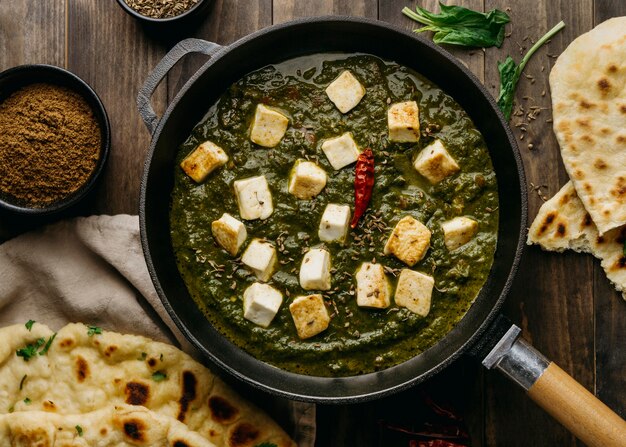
(92, 270)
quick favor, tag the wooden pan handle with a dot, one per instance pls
(556, 392)
(577, 409)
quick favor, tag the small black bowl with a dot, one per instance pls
(16, 78)
(187, 16)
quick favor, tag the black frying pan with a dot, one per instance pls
(493, 340)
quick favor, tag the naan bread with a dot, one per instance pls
(109, 427)
(82, 373)
(563, 223)
(588, 84)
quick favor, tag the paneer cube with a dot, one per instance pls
(345, 92)
(334, 223)
(403, 122)
(203, 160)
(315, 270)
(268, 126)
(435, 163)
(414, 291)
(341, 151)
(261, 303)
(310, 315)
(306, 180)
(458, 231)
(372, 287)
(254, 198)
(229, 233)
(409, 241)
(260, 257)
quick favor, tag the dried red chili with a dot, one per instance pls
(363, 184)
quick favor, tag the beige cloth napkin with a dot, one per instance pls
(92, 270)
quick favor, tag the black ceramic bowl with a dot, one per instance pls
(190, 14)
(15, 78)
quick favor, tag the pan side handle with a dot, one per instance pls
(557, 392)
(180, 50)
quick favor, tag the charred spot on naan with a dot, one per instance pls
(619, 189)
(180, 443)
(621, 139)
(110, 350)
(134, 429)
(546, 223)
(137, 393)
(221, 410)
(82, 369)
(188, 394)
(49, 406)
(586, 222)
(66, 343)
(584, 104)
(243, 435)
(604, 86)
(600, 164)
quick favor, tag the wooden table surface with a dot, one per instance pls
(563, 302)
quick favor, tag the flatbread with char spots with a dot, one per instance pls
(123, 426)
(84, 371)
(588, 84)
(563, 224)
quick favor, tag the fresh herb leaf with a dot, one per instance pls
(93, 330)
(27, 401)
(460, 26)
(159, 376)
(144, 355)
(510, 72)
(30, 350)
(29, 324)
(22, 381)
(79, 430)
(624, 249)
(44, 351)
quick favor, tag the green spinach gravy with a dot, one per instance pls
(358, 340)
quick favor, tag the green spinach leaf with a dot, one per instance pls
(456, 25)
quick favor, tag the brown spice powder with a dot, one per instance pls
(49, 144)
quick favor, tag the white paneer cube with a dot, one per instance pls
(435, 163)
(306, 180)
(345, 92)
(310, 315)
(409, 241)
(315, 270)
(341, 151)
(372, 287)
(261, 303)
(203, 160)
(268, 126)
(403, 122)
(254, 198)
(229, 233)
(260, 257)
(414, 291)
(458, 231)
(334, 223)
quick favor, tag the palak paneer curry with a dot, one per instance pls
(266, 224)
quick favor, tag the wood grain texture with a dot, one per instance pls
(552, 298)
(610, 309)
(110, 51)
(284, 10)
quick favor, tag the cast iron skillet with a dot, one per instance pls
(476, 332)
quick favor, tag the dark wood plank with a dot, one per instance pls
(552, 298)
(110, 50)
(284, 10)
(31, 32)
(610, 308)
